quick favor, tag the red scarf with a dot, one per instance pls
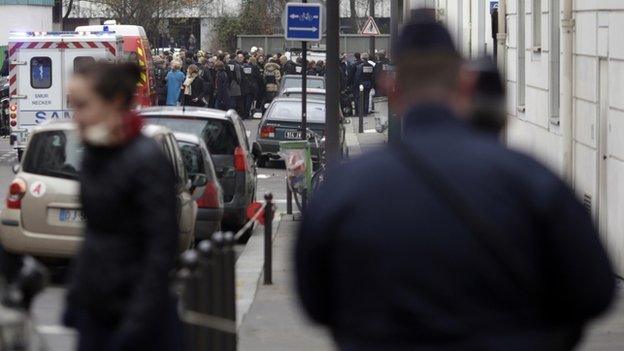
(132, 125)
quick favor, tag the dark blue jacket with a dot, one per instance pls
(383, 261)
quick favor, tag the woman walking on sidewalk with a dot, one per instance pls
(119, 297)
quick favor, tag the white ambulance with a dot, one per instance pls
(40, 67)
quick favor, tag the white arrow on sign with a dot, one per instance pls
(303, 17)
(303, 29)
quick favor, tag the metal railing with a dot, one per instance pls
(207, 285)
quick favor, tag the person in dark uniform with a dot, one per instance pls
(364, 76)
(160, 81)
(382, 66)
(251, 75)
(451, 241)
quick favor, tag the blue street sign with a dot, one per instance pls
(303, 22)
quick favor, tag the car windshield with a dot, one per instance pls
(295, 82)
(193, 158)
(219, 135)
(290, 111)
(55, 154)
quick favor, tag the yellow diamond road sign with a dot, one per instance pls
(370, 28)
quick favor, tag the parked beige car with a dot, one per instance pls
(43, 214)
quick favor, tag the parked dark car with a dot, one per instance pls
(282, 122)
(233, 156)
(198, 163)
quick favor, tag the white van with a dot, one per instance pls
(40, 66)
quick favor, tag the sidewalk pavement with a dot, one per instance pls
(370, 139)
(275, 321)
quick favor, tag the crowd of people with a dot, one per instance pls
(245, 81)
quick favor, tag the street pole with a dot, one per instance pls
(332, 82)
(304, 88)
(372, 38)
(394, 122)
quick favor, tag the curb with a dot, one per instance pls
(249, 268)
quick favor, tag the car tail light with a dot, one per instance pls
(17, 190)
(212, 197)
(240, 160)
(267, 132)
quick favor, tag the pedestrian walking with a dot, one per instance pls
(119, 296)
(160, 80)
(272, 78)
(206, 74)
(477, 247)
(193, 88)
(364, 77)
(175, 79)
(236, 76)
(222, 83)
(320, 68)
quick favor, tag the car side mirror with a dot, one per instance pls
(256, 150)
(266, 106)
(17, 168)
(198, 184)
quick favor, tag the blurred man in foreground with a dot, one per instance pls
(450, 241)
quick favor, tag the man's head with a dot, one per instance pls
(365, 56)
(428, 68)
(357, 56)
(240, 58)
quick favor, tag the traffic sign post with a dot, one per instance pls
(303, 22)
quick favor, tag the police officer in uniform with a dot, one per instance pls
(382, 66)
(364, 76)
(160, 73)
(458, 243)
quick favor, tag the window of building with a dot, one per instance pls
(537, 24)
(41, 72)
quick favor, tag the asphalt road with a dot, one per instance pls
(48, 306)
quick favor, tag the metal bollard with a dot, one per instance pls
(289, 195)
(268, 239)
(361, 114)
(229, 286)
(216, 282)
(190, 278)
(207, 265)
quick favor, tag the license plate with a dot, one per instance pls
(71, 216)
(295, 134)
(292, 134)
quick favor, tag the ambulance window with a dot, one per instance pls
(41, 72)
(82, 61)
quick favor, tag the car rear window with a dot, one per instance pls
(219, 135)
(313, 83)
(193, 158)
(54, 154)
(290, 111)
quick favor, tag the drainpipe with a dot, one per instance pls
(567, 119)
(501, 41)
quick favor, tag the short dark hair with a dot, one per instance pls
(113, 81)
(428, 71)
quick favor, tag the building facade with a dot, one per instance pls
(23, 15)
(585, 146)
